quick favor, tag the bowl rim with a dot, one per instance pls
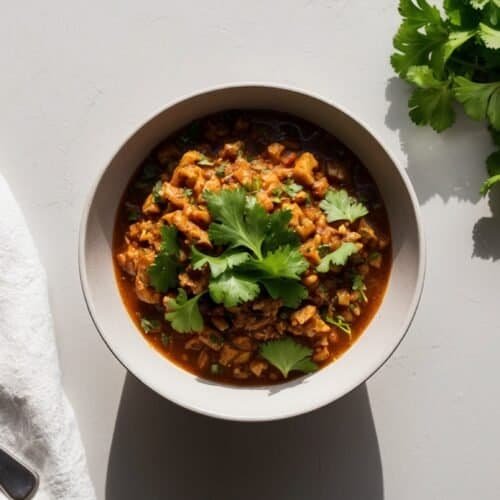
(421, 261)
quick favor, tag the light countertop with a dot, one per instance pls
(78, 77)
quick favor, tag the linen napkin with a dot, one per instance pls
(37, 424)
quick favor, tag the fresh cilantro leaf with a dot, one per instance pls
(340, 323)
(480, 100)
(149, 325)
(338, 257)
(358, 285)
(219, 264)
(285, 262)
(157, 196)
(291, 292)
(204, 161)
(419, 13)
(338, 205)
(431, 103)
(184, 314)
(481, 4)
(461, 14)
(493, 165)
(231, 289)
(163, 272)
(169, 242)
(278, 232)
(287, 355)
(292, 189)
(420, 37)
(238, 222)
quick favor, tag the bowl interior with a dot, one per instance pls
(263, 403)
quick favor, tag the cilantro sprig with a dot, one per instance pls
(163, 272)
(260, 251)
(452, 59)
(338, 257)
(287, 355)
(184, 314)
(338, 205)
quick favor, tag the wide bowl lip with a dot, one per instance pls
(306, 407)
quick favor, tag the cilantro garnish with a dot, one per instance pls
(358, 285)
(150, 325)
(204, 161)
(338, 257)
(157, 198)
(262, 250)
(287, 355)
(338, 205)
(285, 262)
(291, 292)
(340, 323)
(455, 58)
(219, 264)
(292, 189)
(237, 222)
(163, 272)
(184, 314)
(232, 289)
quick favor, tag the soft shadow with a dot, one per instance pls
(442, 164)
(486, 232)
(160, 450)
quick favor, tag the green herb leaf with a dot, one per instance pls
(285, 262)
(431, 103)
(157, 196)
(232, 289)
(340, 323)
(490, 36)
(493, 165)
(420, 37)
(150, 325)
(480, 100)
(338, 257)
(238, 223)
(278, 232)
(163, 272)
(204, 161)
(291, 292)
(358, 285)
(184, 314)
(338, 205)
(292, 189)
(287, 355)
(219, 264)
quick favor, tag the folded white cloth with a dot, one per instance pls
(37, 423)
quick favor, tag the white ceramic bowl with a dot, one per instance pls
(375, 345)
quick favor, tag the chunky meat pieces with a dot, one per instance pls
(284, 170)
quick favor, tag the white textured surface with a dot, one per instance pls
(37, 424)
(77, 78)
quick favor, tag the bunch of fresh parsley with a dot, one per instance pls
(455, 58)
